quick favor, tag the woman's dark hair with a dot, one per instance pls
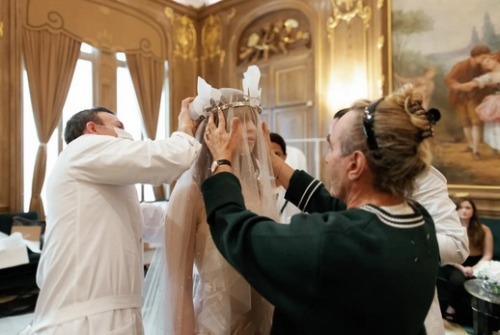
(276, 138)
(475, 230)
(77, 123)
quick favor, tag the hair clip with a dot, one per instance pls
(433, 115)
(369, 128)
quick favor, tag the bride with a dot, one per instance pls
(221, 302)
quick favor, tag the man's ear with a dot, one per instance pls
(90, 128)
(357, 165)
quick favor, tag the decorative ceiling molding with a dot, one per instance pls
(113, 28)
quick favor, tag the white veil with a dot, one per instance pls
(153, 311)
(224, 303)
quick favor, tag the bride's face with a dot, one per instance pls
(250, 129)
(248, 126)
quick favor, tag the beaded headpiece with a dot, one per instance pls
(208, 99)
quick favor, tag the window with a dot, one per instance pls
(128, 111)
(80, 96)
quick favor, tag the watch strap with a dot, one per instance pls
(220, 162)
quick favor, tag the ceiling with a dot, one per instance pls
(197, 3)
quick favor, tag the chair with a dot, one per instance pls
(18, 289)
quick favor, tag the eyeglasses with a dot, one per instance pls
(368, 127)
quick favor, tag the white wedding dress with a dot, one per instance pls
(223, 303)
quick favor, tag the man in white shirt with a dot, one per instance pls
(432, 193)
(279, 147)
(91, 269)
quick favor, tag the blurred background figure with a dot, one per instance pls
(278, 145)
(454, 299)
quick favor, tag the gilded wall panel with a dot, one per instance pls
(211, 38)
(183, 60)
(287, 90)
(356, 48)
(215, 31)
(184, 35)
(10, 108)
(346, 10)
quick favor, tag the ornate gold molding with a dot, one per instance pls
(211, 38)
(184, 35)
(380, 42)
(105, 39)
(278, 36)
(169, 13)
(1, 29)
(231, 15)
(346, 10)
(380, 47)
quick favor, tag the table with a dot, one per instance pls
(485, 308)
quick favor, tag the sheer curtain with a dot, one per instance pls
(50, 61)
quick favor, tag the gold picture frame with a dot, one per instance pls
(428, 35)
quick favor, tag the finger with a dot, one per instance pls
(187, 101)
(222, 119)
(210, 123)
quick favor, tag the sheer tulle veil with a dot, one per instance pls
(170, 303)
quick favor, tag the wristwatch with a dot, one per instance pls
(219, 162)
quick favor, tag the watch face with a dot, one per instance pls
(217, 163)
(213, 166)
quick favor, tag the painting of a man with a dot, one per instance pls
(454, 48)
(465, 103)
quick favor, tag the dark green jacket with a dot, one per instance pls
(333, 271)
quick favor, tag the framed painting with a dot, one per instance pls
(430, 42)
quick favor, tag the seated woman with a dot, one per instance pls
(481, 249)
